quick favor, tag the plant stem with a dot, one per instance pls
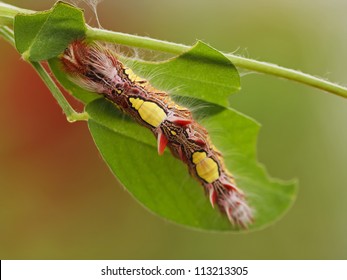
(135, 41)
(7, 34)
(70, 113)
(242, 62)
(290, 74)
(7, 13)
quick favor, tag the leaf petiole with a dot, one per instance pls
(7, 34)
(71, 114)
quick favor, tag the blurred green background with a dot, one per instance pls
(58, 200)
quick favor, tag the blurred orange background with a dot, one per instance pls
(58, 200)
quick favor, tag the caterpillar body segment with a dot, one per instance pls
(97, 69)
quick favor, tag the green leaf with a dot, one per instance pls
(45, 35)
(162, 183)
(202, 73)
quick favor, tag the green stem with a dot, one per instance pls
(70, 113)
(8, 12)
(246, 63)
(290, 74)
(135, 41)
(7, 34)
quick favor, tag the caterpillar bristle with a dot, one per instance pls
(236, 208)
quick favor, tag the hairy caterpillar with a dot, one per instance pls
(96, 68)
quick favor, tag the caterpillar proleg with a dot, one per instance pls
(98, 69)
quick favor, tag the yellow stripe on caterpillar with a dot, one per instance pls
(133, 77)
(206, 167)
(149, 111)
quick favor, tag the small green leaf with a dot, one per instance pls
(44, 35)
(202, 73)
(162, 183)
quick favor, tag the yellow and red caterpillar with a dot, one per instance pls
(95, 68)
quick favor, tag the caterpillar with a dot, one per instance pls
(96, 68)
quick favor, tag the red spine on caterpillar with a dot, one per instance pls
(97, 69)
